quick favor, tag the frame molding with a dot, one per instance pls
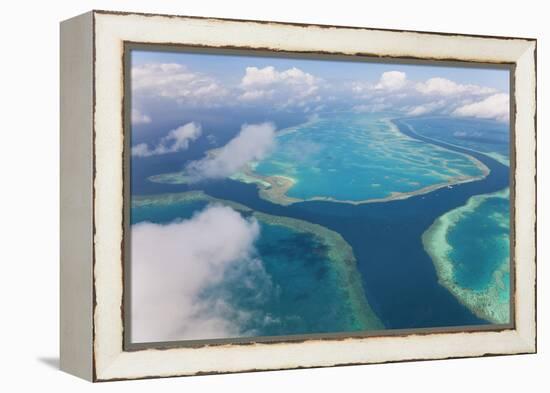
(103, 357)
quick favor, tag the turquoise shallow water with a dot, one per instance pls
(165, 213)
(472, 249)
(480, 244)
(359, 157)
(295, 290)
(302, 297)
(479, 240)
(386, 240)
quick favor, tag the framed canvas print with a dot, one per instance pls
(245, 195)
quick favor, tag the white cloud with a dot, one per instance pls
(139, 118)
(392, 80)
(253, 143)
(260, 76)
(442, 86)
(495, 107)
(176, 140)
(175, 81)
(359, 87)
(211, 138)
(395, 92)
(173, 264)
(418, 110)
(295, 89)
(291, 86)
(254, 95)
(370, 108)
(269, 75)
(426, 108)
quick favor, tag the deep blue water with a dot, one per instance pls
(481, 135)
(398, 276)
(295, 289)
(164, 213)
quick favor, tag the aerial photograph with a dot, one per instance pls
(276, 196)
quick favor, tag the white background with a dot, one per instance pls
(29, 195)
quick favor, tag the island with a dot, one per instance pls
(350, 158)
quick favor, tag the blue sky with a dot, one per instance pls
(172, 87)
(230, 68)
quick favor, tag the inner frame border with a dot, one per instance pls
(129, 46)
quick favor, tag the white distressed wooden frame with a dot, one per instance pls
(92, 195)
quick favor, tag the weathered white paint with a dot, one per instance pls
(111, 30)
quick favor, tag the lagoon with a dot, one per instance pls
(356, 158)
(470, 247)
(398, 276)
(308, 274)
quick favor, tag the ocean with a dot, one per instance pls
(397, 274)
